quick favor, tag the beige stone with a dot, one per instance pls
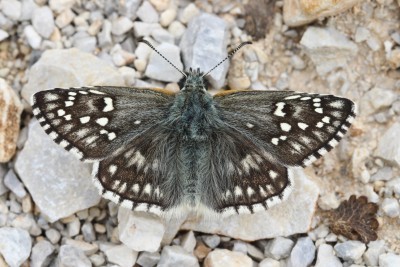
(224, 257)
(10, 112)
(301, 12)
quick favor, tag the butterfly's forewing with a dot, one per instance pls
(295, 128)
(242, 176)
(94, 122)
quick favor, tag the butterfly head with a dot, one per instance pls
(194, 80)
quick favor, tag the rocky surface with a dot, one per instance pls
(51, 214)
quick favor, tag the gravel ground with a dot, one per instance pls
(51, 213)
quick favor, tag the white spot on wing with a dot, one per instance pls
(67, 117)
(326, 119)
(285, 127)
(111, 136)
(71, 93)
(102, 121)
(238, 191)
(85, 119)
(319, 110)
(337, 104)
(249, 125)
(278, 112)
(51, 97)
(320, 124)
(147, 189)
(137, 122)
(273, 174)
(135, 188)
(109, 104)
(292, 97)
(305, 98)
(60, 112)
(69, 103)
(302, 126)
(275, 141)
(96, 92)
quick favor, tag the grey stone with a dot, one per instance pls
(3, 171)
(83, 41)
(389, 260)
(27, 222)
(121, 25)
(70, 256)
(73, 227)
(140, 231)
(350, 250)
(328, 48)
(362, 34)
(41, 253)
(391, 207)
(97, 260)
(303, 253)
(121, 255)
(18, 246)
(254, 252)
(239, 246)
(53, 235)
(69, 68)
(43, 21)
(54, 177)
(129, 8)
(278, 248)
(188, 241)
(161, 70)
(292, 216)
(375, 248)
(147, 13)
(162, 36)
(3, 35)
(88, 232)
(12, 182)
(27, 8)
(104, 35)
(148, 259)
(204, 44)
(326, 257)
(389, 145)
(172, 256)
(212, 241)
(383, 174)
(65, 18)
(269, 263)
(376, 99)
(11, 8)
(393, 186)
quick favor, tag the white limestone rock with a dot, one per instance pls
(15, 245)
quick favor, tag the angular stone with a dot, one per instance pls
(147, 259)
(41, 253)
(43, 21)
(328, 48)
(389, 145)
(129, 8)
(140, 231)
(121, 25)
(87, 248)
(161, 70)
(391, 207)
(224, 257)
(147, 13)
(121, 255)
(269, 263)
(33, 38)
(12, 182)
(69, 68)
(173, 256)
(203, 46)
(188, 241)
(54, 177)
(376, 99)
(302, 254)
(389, 260)
(11, 8)
(350, 250)
(326, 257)
(60, 5)
(212, 241)
(70, 256)
(10, 112)
(3, 35)
(278, 248)
(301, 12)
(287, 218)
(375, 248)
(15, 245)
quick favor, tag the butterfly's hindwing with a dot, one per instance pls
(296, 128)
(94, 122)
(243, 178)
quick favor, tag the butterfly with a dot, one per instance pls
(159, 151)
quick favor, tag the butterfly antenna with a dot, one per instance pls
(230, 54)
(152, 47)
